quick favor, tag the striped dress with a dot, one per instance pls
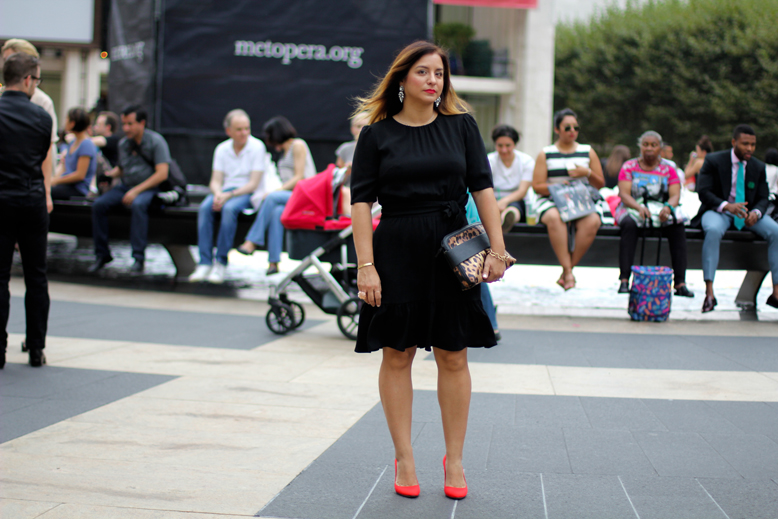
(558, 165)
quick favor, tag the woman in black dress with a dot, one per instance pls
(419, 155)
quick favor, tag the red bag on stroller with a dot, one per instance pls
(312, 205)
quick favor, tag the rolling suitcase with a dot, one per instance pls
(651, 292)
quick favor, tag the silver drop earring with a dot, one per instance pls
(401, 95)
(437, 102)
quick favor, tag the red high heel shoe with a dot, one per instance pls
(407, 491)
(454, 492)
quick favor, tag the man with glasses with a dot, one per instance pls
(39, 97)
(25, 199)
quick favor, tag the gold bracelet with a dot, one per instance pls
(503, 257)
(365, 265)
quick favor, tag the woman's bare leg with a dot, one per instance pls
(396, 389)
(585, 232)
(557, 235)
(454, 389)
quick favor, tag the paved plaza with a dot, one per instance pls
(166, 402)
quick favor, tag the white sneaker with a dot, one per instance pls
(200, 273)
(217, 274)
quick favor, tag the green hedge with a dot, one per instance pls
(682, 68)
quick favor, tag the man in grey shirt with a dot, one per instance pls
(144, 159)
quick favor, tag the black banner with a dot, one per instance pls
(304, 59)
(131, 48)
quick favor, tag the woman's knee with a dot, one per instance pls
(551, 218)
(398, 360)
(451, 360)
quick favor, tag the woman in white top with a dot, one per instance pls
(295, 164)
(771, 171)
(511, 174)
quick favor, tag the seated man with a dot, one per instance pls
(238, 165)
(144, 158)
(733, 191)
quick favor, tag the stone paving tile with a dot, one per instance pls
(620, 414)
(744, 499)
(586, 497)
(749, 417)
(31, 400)
(429, 447)
(501, 494)
(683, 454)
(754, 456)
(431, 503)
(756, 353)
(91, 321)
(550, 411)
(528, 449)
(662, 498)
(689, 416)
(19, 509)
(593, 451)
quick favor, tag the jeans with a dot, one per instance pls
(715, 224)
(675, 234)
(488, 304)
(269, 220)
(139, 224)
(25, 221)
(227, 228)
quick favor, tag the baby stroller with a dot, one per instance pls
(317, 232)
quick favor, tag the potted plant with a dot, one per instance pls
(455, 37)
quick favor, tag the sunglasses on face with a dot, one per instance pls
(574, 128)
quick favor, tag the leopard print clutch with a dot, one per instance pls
(466, 251)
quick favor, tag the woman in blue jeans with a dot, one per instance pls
(295, 164)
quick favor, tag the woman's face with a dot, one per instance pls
(69, 125)
(424, 82)
(700, 152)
(568, 129)
(504, 146)
(650, 148)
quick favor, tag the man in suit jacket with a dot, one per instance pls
(717, 186)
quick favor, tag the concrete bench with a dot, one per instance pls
(175, 228)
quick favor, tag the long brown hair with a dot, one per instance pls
(383, 101)
(618, 157)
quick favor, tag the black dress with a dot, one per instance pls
(420, 176)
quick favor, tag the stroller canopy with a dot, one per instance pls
(312, 204)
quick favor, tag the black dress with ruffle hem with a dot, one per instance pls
(420, 176)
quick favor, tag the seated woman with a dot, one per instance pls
(646, 184)
(771, 172)
(344, 155)
(696, 160)
(511, 174)
(619, 155)
(295, 164)
(74, 174)
(563, 161)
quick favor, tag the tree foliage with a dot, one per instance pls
(683, 68)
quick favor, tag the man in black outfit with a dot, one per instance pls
(25, 198)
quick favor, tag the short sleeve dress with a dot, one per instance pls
(420, 175)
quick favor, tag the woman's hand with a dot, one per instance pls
(502, 204)
(580, 172)
(369, 284)
(664, 214)
(644, 212)
(494, 269)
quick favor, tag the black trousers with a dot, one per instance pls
(25, 221)
(676, 235)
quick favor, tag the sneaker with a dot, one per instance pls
(200, 273)
(217, 274)
(509, 218)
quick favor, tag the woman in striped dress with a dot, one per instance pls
(561, 162)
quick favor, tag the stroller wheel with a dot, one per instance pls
(298, 313)
(280, 318)
(348, 317)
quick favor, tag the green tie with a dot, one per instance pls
(740, 193)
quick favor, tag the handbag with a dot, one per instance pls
(466, 251)
(573, 200)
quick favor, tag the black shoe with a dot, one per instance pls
(624, 287)
(497, 336)
(684, 292)
(99, 264)
(772, 301)
(37, 358)
(709, 304)
(271, 270)
(137, 267)
(245, 252)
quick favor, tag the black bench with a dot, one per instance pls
(176, 229)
